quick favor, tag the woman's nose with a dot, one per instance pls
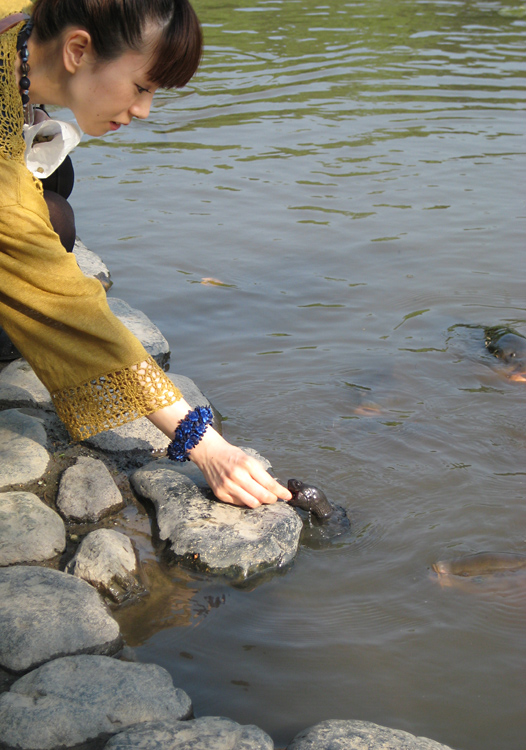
(141, 107)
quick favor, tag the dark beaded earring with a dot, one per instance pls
(25, 83)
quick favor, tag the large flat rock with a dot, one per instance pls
(206, 733)
(212, 536)
(30, 531)
(45, 614)
(340, 734)
(78, 699)
(23, 456)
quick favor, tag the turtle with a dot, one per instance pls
(310, 498)
(324, 523)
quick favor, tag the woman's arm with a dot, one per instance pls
(233, 476)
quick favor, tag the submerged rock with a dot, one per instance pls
(214, 537)
(87, 491)
(339, 734)
(324, 533)
(107, 560)
(23, 456)
(206, 733)
(30, 531)
(45, 614)
(78, 699)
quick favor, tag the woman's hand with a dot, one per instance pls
(233, 476)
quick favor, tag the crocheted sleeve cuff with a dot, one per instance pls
(114, 399)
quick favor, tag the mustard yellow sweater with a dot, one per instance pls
(99, 375)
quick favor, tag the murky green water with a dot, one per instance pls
(353, 173)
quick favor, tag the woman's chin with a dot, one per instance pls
(98, 129)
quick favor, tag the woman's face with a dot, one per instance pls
(105, 96)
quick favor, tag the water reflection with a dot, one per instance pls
(174, 600)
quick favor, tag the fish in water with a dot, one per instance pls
(510, 347)
(310, 498)
(481, 564)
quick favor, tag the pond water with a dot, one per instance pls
(353, 175)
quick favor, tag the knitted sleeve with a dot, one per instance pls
(99, 375)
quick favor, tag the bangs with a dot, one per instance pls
(118, 25)
(178, 51)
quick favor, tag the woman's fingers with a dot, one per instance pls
(243, 481)
(235, 477)
(251, 485)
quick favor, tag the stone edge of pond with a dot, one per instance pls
(126, 449)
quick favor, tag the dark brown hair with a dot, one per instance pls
(116, 26)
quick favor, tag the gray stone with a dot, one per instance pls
(141, 434)
(142, 327)
(87, 491)
(45, 614)
(206, 733)
(30, 531)
(91, 265)
(23, 457)
(212, 536)
(191, 392)
(107, 560)
(78, 699)
(19, 387)
(337, 734)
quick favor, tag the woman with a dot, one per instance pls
(104, 60)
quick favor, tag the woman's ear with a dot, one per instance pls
(77, 49)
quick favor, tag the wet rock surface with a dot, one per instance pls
(359, 735)
(87, 491)
(76, 699)
(207, 733)
(324, 533)
(215, 537)
(45, 614)
(107, 560)
(30, 531)
(23, 455)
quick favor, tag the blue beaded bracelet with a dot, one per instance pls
(189, 433)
